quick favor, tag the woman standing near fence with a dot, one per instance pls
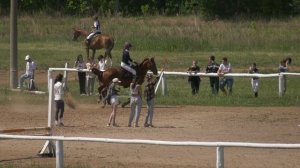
(58, 98)
(112, 95)
(135, 104)
(79, 65)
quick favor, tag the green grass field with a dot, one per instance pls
(174, 42)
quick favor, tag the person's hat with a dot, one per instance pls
(116, 80)
(127, 45)
(27, 57)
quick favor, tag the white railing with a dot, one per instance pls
(163, 79)
(219, 145)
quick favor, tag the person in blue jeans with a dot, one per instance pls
(225, 68)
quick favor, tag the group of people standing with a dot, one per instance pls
(135, 101)
(227, 81)
(215, 82)
(87, 79)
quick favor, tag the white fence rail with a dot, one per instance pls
(219, 145)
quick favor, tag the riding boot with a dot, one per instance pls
(88, 41)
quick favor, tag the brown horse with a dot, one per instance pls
(98, 42)
(106, 77)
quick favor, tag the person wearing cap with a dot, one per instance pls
(29, 71)
(112, 96)
(127, 63)
(149, 94)
(95, 29)
(135, 103)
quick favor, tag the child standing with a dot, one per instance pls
(112, 94)
(254, 80)
(59, 102)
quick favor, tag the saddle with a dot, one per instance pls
(126, 74)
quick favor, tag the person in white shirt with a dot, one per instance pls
(225, 68)
(90, 77)
(29, 72)
(58, 98)
(102, 64)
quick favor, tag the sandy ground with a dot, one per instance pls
(176, 123)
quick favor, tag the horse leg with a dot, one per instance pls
(108, 53)
(87, 53)
(93, 56)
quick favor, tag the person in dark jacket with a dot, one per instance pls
(194, 80)
(213, 67)
(127, 63)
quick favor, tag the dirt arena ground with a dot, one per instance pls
(177, 123)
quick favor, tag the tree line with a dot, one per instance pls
(207, 8)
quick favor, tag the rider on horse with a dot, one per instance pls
(96, 30)
(127, 62)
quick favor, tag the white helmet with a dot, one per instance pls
(27, 57)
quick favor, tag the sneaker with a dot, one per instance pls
(56, 123)
(146, 125)
(108, 125)
(18, 87)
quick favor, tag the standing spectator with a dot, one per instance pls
(225, 68)
(95, 29)
(149, 94)
(283, 67)
(213, 67)
(254, 80)
(79, 64)
(194, 80)
(29, 72)
(112, 94)
(102, 63)
(58, 98)
(90, 77)
(135, 103)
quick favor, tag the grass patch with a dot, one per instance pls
(174, 42)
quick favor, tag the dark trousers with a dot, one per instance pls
(60, 107)
(195, 84)
(214, 84)
(81, 78)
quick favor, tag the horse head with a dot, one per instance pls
(148, 64)
(77, 33)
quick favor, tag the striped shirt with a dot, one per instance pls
(149, 92)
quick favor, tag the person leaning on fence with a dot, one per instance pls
(194, 80)
(213, 67)
(149, 94)
(58, 98)
(79, 65)
(112, 95)
(255, 80)
(135, 103)
(284, 67)
(225, 68)
(29, 71)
